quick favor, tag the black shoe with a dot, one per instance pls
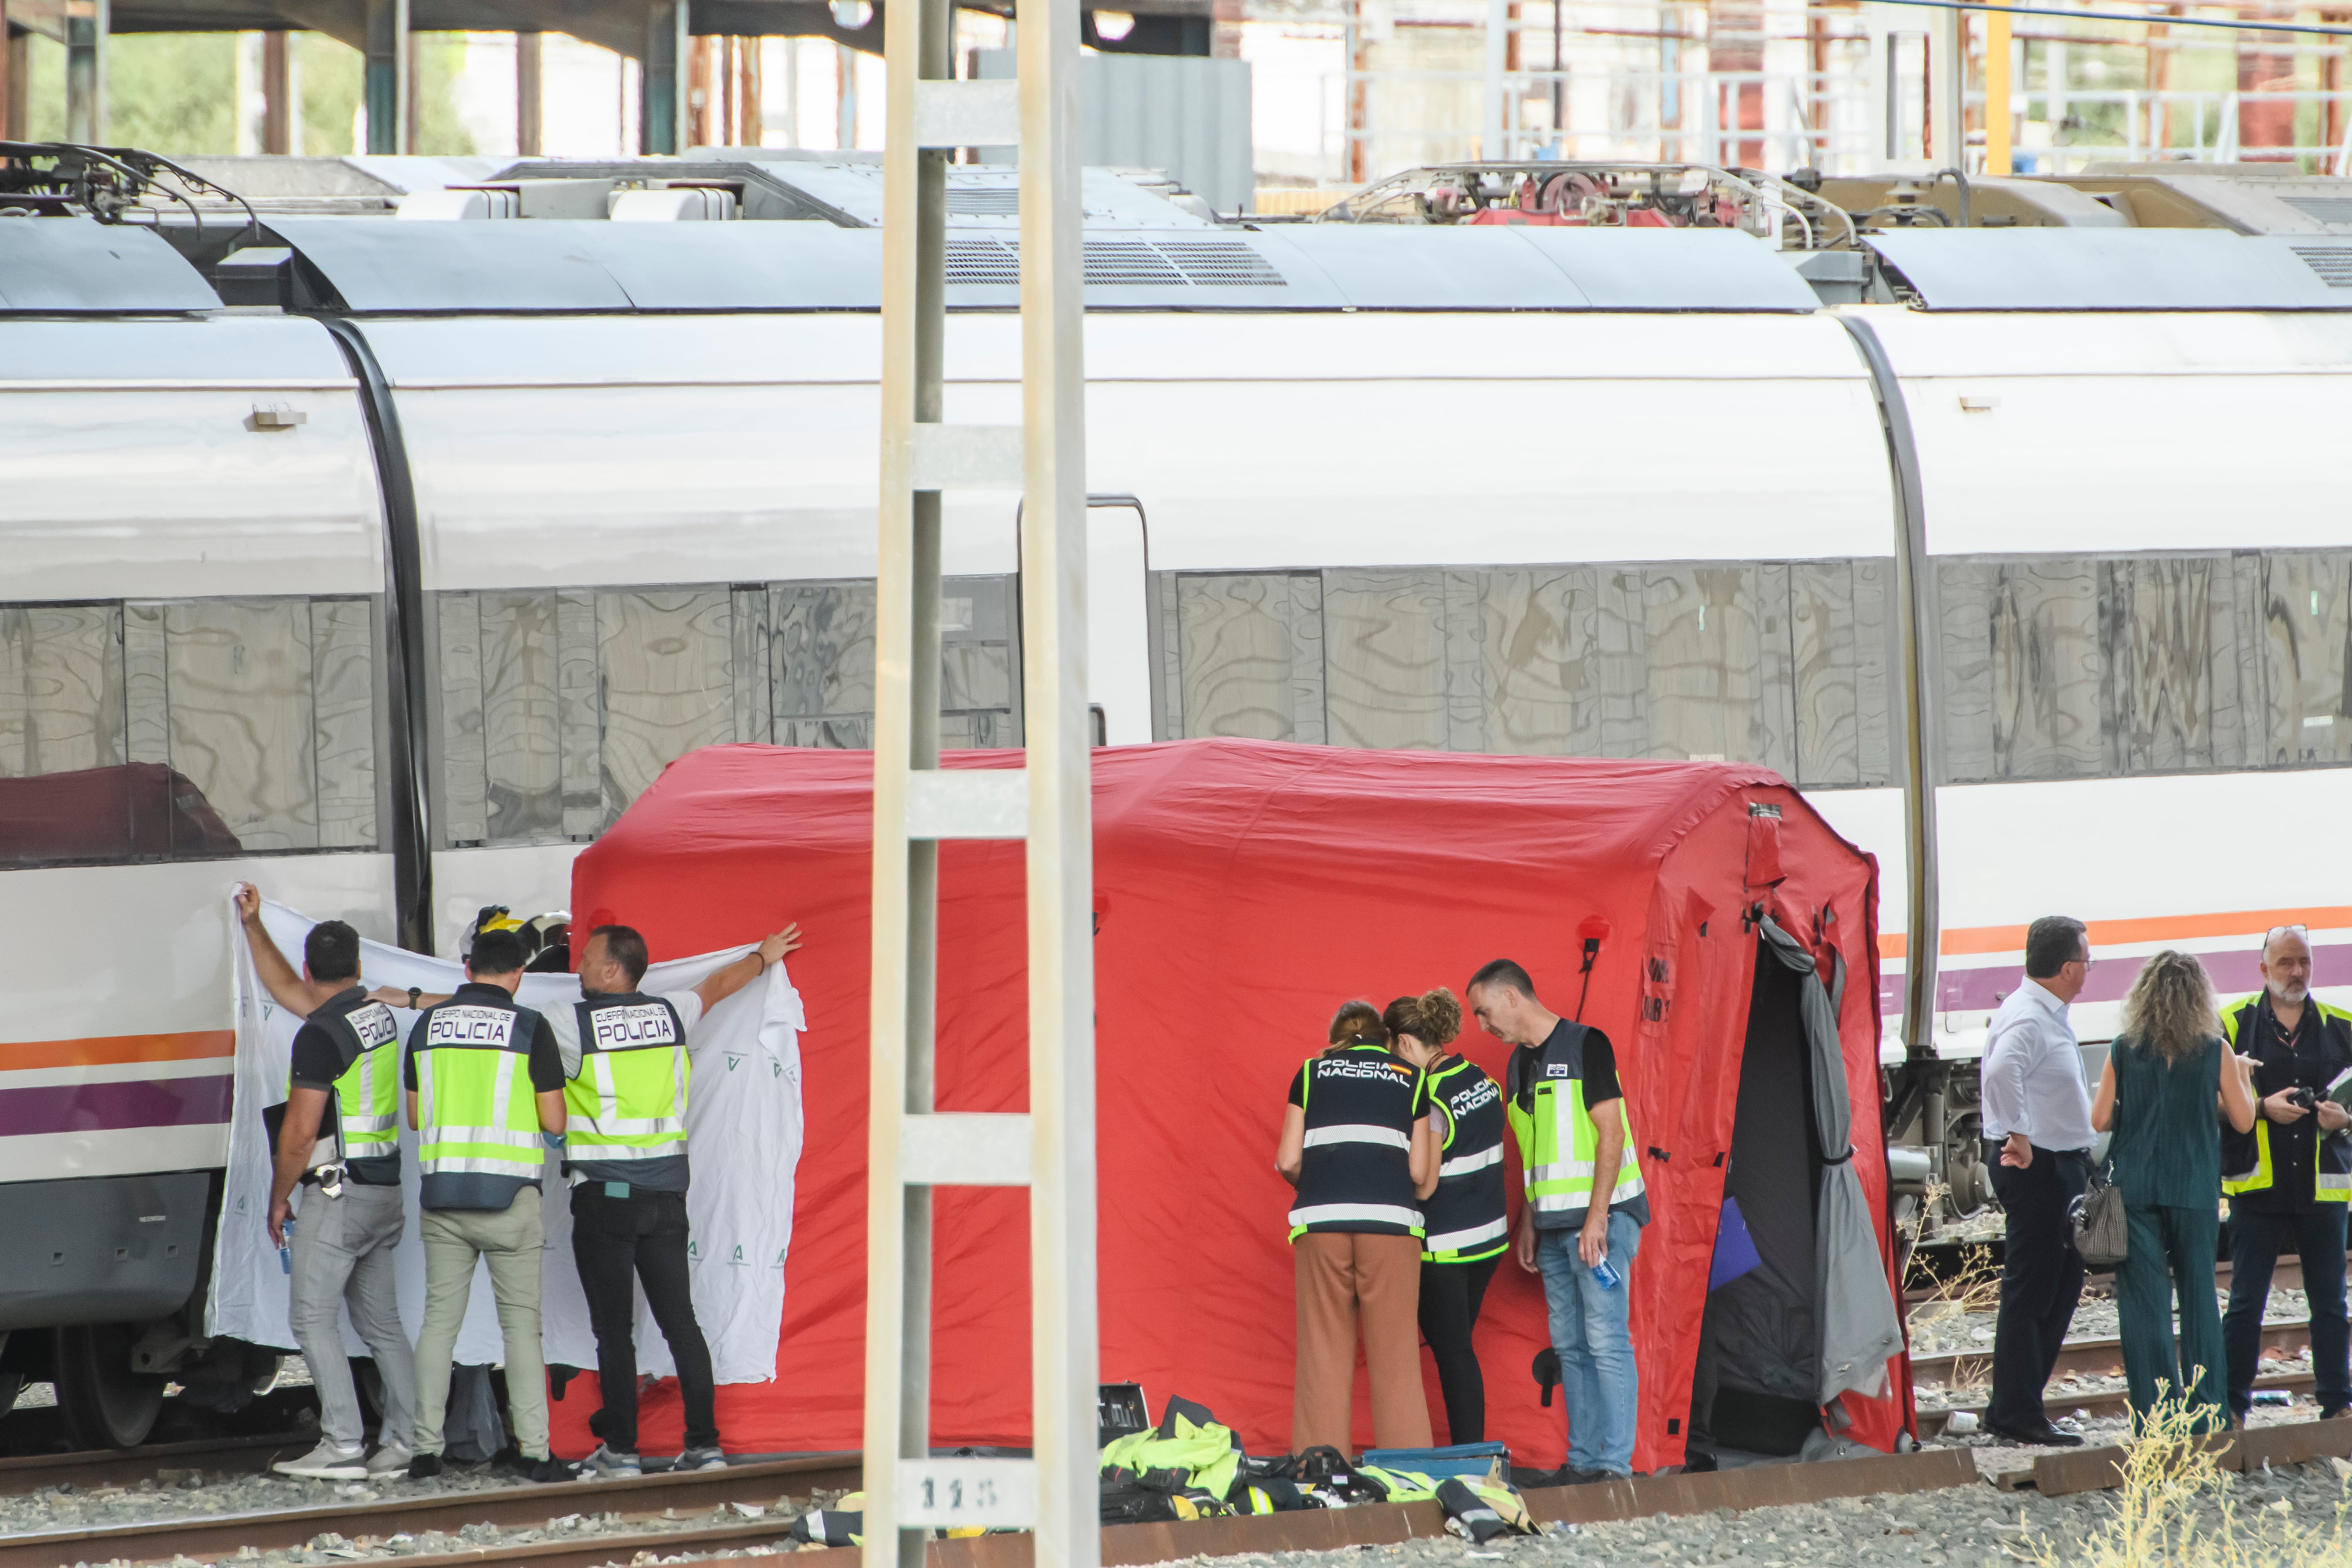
(424, 1467)
(1570, 1476)
(1699, 1464)
(2333, 1412)
(546, 1472)
(2043, 1437)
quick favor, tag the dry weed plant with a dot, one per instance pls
(2180, 1509)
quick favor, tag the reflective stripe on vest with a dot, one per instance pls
(1444, 1249)
(366, 1118)
(1376, 1214)
(2327, 1187)
(479, 1111)
(1387, 1137)
(1563, 1185)
(1490, 1155)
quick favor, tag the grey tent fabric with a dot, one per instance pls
(1859, 1326)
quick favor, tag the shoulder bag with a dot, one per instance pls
(2098, 1215)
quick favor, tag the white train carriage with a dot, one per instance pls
(393, 599)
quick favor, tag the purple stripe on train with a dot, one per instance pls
(2235, 973)
(103, 1107)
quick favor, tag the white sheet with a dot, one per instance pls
(743, 1135)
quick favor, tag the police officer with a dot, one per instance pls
(1580, 1232)
(2295, 1169)
(485, 1083)
(624, 1057)
(1360, 1144)
(1468, 1228)
(339, 1143)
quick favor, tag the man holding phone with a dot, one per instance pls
(2292, 1172)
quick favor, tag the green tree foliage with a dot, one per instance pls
(175, 92)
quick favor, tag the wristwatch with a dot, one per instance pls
(413, 992)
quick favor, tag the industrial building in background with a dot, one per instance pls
(1284, 106)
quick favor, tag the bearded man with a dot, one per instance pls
(2290, 1177)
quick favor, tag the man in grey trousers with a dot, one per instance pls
(339, 1143)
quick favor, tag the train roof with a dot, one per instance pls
(2116, 269)
(381, 266)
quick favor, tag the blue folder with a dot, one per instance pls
(1735, 1249)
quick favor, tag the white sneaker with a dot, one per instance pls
(330, 1461)
(604, 1465)
(392, 1459)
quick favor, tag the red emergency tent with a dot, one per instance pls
(1243, 890)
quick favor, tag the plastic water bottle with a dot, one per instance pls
(1605, 1273)
(286, 1248)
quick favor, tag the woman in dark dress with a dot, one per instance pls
(1467, 1228)
(2166, 1071)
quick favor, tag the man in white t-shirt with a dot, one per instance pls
(625, 1060)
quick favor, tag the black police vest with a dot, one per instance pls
(1465, 1217)
(1355, 1173)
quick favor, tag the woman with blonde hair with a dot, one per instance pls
(1358, 1143)
(1467, 1228)
(2165, 1069)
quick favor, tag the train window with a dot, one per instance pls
(2143, 665)
(1689, 660)
(1385, 642)
(558, 708)
(1837, 623)
(188, 728)
(1250, 656)
(2305, 610)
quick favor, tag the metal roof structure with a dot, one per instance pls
(75, 265)
(384, 266)
(2117, 270)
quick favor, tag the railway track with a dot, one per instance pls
(2110, 1401)
(2103, 1357)
(2287, 1275)
(121, 1466)
(214, 1536)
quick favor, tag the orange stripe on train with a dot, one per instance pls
(108, 1050)
(2153, 928)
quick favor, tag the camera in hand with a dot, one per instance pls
(2306, 1096)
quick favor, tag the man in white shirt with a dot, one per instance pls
(2038, 1138)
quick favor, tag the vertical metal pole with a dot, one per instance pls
(1997, 93)
(1499, 32)
(661, 96)
(1947, 79)
(527, 117)
(386, 82)
(906, 741)
(16, 77)
(1066, 1361)
(88, 23)
(278, 106)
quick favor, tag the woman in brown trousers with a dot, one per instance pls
(1359, 1145)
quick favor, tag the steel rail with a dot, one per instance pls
(110, 1467)
(2113, 1402)
(214, 1536)
(2105, 1354)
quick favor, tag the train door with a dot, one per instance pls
(1119, 657)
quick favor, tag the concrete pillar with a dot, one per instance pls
(88, 23)
(388, 63)
(526, 102)
(278, 106)
(750, 93)
(661, 105)
(16, 66)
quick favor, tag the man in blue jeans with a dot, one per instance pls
(1568, 1112)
